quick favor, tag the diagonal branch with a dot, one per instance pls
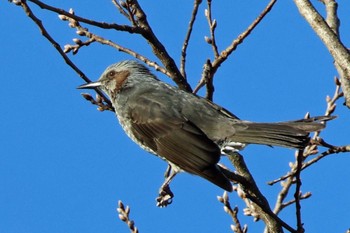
(332, 17)
(142, 28)
(157, 47)
(104, 25)
(252, 192)
(44, 32)
(339, 52)
(227, 52)
(224, 54)
(120, 8)
(311, 150)
(123, 214)
(100, 39)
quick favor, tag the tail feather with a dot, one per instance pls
(292, 134)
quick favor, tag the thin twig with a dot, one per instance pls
(330, 151)
(334, 150)
(212, 26)
(124, 216)
(237, 227)
(301, 197)
(224, 54)
(283, 194)
(104, 41)
(310, 150)
(143, 28)
(44, 32)
(187, 38)
(120, 8)
(131, 13)
(104, 25)
(78, 44)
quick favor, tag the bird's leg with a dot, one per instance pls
(165, 196)
(167, 171)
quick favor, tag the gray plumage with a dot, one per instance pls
(188, 131)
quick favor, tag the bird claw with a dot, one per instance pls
(165, 197)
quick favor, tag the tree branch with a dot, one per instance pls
(252, 192)
(300, 159)
(124, 216)
(158, 48)
(227, 52)
(104, 25)
(332, 17)
(141, 27)
(237, 228)
(212, 26)
(44, 32)
(187, 37)
(224, 54)
(332, 42)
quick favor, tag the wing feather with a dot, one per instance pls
(176, 139)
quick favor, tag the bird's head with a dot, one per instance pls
(119, 76)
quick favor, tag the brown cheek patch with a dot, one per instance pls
(120, 79)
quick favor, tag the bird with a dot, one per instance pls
(189, 132)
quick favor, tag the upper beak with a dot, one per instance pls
(91, 85)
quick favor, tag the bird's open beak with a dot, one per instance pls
(91, 85)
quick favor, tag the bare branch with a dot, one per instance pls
(104, 25)
(283, 194)
(330, 151)
(301, 197)
(299, 164)
(212, 26)
(331, 40)
(99, 101)
(316, 140)
(157, 47)
(93, 37)
(187, 37)
(224, 199)
(124, 216)
(252, 192)
(332, 17)
(78, 44)
(130, 12)
(142, 28)
(44, 32)
(120, 8)
(334, 150)
(224, 54)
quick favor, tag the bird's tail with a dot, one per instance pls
(292, 134)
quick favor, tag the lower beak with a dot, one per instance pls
(91, 85)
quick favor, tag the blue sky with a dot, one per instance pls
(64, 165)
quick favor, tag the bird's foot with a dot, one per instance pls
(165, 196)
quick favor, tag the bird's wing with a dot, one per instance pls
(171, 136)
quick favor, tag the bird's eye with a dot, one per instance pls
(111, 73)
